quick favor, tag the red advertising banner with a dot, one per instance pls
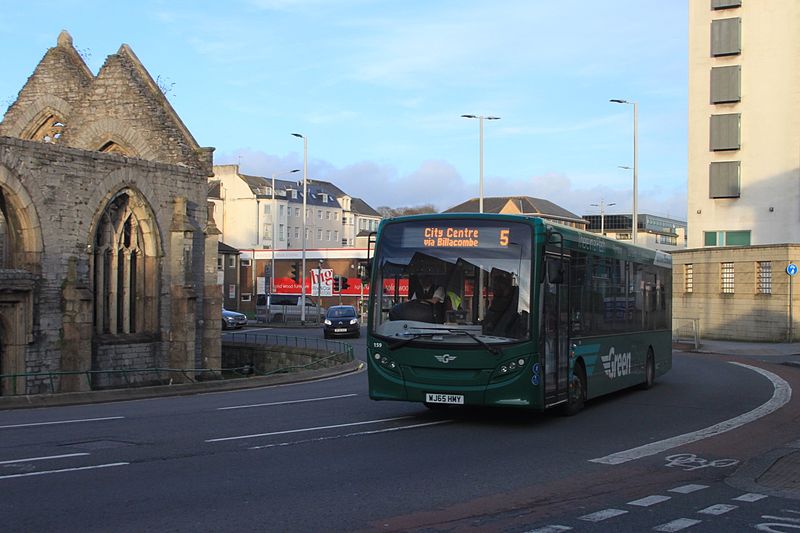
(288, 286)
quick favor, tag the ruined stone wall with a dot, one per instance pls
(68, 188)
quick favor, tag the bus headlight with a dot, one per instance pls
(509, 368)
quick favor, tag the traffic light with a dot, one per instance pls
(343, 283)
(296, 272)
(336, 285)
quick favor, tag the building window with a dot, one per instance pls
(726, 37)
(724, 132)
(726, 84)
(246, 297)
(319, 234)
(297, 211)
(764, 277)
(281, 233)
(319, 214)
(231, 261)
(726, 280)
(726, 238)
(725, 4)
(688, 277)
(244, 262)
(267, 209)
(670, 240)
(220, 263)
(724, 179)
(623, 236)
(328, 235)
(232, 291)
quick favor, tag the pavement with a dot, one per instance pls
(776, 472)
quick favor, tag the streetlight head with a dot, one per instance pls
(299, 136)
(618, 101)
(293, 171)
(468, 116)
(492, 118)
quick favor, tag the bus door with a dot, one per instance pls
(555, 328)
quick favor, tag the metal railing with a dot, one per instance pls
(686, 330)
(166, 376)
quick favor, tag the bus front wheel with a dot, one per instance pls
(577, 391)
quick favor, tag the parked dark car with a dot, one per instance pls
(341, 320)
(232, 319)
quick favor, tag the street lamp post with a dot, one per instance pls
(602, 207)
(305, 201)
(481, 118)
(274, 225)
(635, 213)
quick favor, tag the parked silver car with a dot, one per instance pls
(232, 319)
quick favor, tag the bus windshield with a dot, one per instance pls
(452, 281)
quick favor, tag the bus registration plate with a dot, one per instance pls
(444, 398)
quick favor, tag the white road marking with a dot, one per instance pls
(605, 514)
(32, 459)
(677, 525)
(782, 518)
(357, 434)
(780, 397)
(750, 497)
(650, 500)
(716, 510)
(62, 422)
(687, 489)
(286, 402)
(46, 472)
(550, 529)
(302, 430)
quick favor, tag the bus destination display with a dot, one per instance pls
(464, 237)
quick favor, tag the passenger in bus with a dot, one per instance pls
(502, 317)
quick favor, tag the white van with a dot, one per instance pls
(286, 308)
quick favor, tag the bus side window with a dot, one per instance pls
(555, 271)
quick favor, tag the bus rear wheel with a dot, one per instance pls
(577, 391)
(649, 370)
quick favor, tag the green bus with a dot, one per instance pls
(505, 310)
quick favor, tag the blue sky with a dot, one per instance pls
(379, 86)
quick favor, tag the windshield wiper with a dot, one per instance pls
(402, 342)
(492, 349)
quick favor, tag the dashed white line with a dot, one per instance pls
(356, 434)
(677, 525)
(47, 458)
(688, 489)
(288, 402)
(32, 424)
(605, 514)
(550, 529)
(46, 472)
(716, 510)
(650, 500)
(750, 497)
(302, 430)
(780, 397)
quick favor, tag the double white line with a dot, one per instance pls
(51, 457)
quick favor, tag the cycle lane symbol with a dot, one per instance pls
(690, 461)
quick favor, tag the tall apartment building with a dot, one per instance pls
(743, 171)
(744, 122)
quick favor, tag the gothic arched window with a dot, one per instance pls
(121, 282)
(49, 130)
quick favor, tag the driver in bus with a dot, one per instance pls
(429, 292)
